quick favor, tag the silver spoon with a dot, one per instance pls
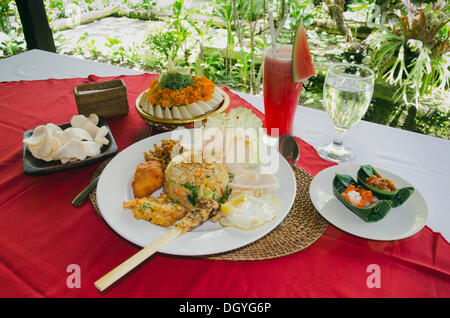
(288, 148)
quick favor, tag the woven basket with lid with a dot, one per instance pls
(106, 99)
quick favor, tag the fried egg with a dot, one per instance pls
(247, 211)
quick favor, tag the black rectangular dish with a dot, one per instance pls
(34, 166)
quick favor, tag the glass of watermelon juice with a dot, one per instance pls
(281, 93)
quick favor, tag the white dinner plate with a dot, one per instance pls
(114, 187)
(399, 223)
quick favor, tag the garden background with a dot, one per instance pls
(406, 43)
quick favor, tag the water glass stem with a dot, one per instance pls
(338, 140)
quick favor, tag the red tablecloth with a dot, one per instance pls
(42, 234)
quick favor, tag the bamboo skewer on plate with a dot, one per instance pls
(121, 270)
(205, 208)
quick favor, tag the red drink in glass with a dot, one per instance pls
(281, 93)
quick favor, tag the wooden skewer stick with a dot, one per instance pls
(118, 272)
(205, 208)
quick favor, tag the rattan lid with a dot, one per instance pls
(106, 99)
(302, 227)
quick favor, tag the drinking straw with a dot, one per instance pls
(272, 33)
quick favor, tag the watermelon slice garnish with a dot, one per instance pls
(302, 66)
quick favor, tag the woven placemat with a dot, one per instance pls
(301, 227)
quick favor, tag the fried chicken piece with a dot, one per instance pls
(148, 178)
(160, 211)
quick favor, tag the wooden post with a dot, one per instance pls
(36, 29)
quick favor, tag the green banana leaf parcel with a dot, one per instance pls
(372, 213)
(398, 197)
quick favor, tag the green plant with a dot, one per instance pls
(133, 55)
(368, 8)
(78, 48)
(59, 40)
(178, 23)
(414, 53)
(12, 47)
(118, 55)
(252, 16)
(82, 37)
(151, 62)
(57, 9)
(111, 42)
(355, 53)
(164, 43)
(241, 70)
(89, 3)
(382, 112)
(204, 35)
(213, 67)
(435, 124)
(301, 10)
(145, 4)
(5, 12)
(175, 36)
(92, 49)
(13, 42)
(225, 12)
(260, 43)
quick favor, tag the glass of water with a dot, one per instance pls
(347, 93)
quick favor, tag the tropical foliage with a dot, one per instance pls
(413, 53)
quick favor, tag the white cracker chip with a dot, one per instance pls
(54, 130)
(93, 118)
(49, 142)
(101, 136)
(74, 133)
(91, 129)
(66, 160)
(37, 138)
(46, 150)
(92, 148)
(78, 121)
(73, 148)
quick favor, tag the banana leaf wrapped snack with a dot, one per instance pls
(361, 201)
(383, 188)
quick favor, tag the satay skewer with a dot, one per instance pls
(205, 208)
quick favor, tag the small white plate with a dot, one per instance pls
(114, 187)
(400, 222)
